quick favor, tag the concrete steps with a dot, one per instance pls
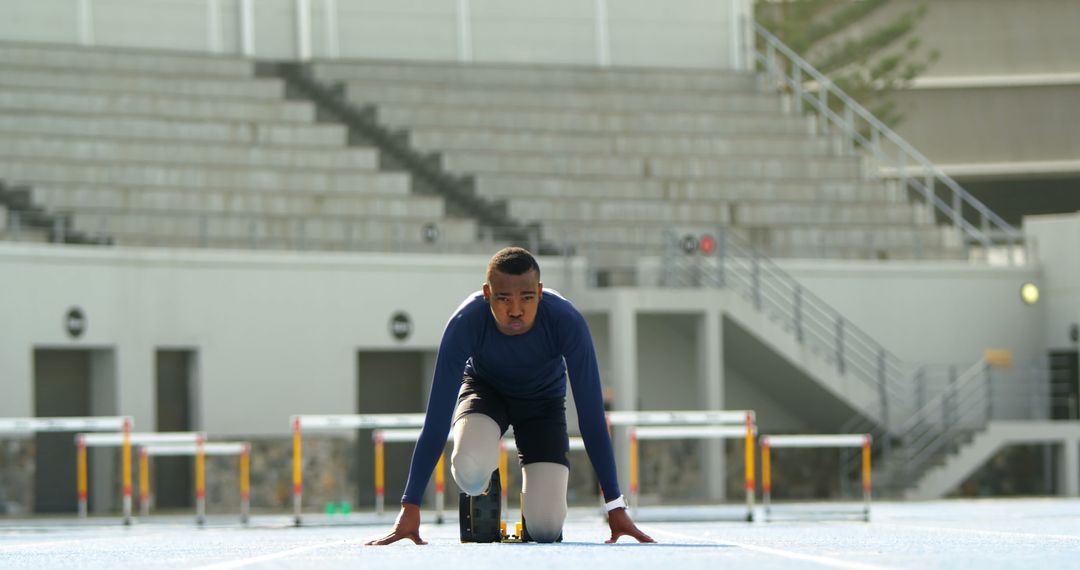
(161, 106)
(515, 97)
(172, 129)
(41, 171)
(547, 77)
(75, 79)
(82, 197)
(607, 166)
(92, 149)
(730, 190)
(853, 242)
(413, 116)
(463, 138)
(766, 213)
(148, 228)
(124, 60)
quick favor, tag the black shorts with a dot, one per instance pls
(539, 425)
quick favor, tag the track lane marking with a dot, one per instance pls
(68, 542)
(823, 560)
(980, 531)
(268, 557)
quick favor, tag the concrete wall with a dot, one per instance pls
(1058, 241)
(676, 33)
(1003, 91)
(933, 313)
(997, 37)
(276, 334)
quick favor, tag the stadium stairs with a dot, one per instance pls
(149, 148)
(22, 220)
(606, 160)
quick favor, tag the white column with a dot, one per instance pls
(710, 356)
(603, 39)
(303, 30)
(623, 335)
(86, 23)
(1071, 467)
(464, 21)
(330, 24)
(213, 26)
(247, 27)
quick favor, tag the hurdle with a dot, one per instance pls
(124, 440)
(815, 441)
(336, 422)
(693, 432)
(690, 424)
(23, 426)
(384, 436)
(199, 450)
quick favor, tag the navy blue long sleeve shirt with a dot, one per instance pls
(531, 365)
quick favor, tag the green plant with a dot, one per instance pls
(869, 65)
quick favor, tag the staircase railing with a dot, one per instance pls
(974, 221)
(962, 407)
(726, 261)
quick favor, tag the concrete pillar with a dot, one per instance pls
(623, 335)
(710, 354)
(104, 401)
(1071, 467)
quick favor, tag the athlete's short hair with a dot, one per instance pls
(513, 261)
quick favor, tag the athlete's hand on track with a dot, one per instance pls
(406, 526)
(621, 525)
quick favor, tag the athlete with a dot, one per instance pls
(503, 361)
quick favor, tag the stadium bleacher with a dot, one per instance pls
(608, 159)
(180, 150)
(185, 150)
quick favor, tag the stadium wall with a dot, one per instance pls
(674, 33)
(278, 333)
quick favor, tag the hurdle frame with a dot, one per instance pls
(672, 424)
(200, 450)
(336, 422)
(122, 424)
(827, 441)
(125, 440)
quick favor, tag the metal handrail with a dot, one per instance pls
(734, 264)
(990, 225)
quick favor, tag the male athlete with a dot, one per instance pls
(503, 361)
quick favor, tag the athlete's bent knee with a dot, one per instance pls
(544, 500)
(476, 452)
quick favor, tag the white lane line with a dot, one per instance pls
(68, 542)
(274, 556)
(823, 560)
(981, 531)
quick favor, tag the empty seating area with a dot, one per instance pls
(167, 149)
(182, 150)
(608, 160)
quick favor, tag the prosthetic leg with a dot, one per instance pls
(481, 516)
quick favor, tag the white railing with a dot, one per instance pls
(973, 220)
(597, 32)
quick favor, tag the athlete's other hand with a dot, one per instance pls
(621, 525)
(406, 526)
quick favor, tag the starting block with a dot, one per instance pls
(481, 517)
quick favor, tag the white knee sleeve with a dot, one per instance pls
(476, 452)
(543, 500)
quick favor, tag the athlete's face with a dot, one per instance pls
(513, 300)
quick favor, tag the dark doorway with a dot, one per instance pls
(173, 476)
(387, 382)
(1064, 385)
(61, 388)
